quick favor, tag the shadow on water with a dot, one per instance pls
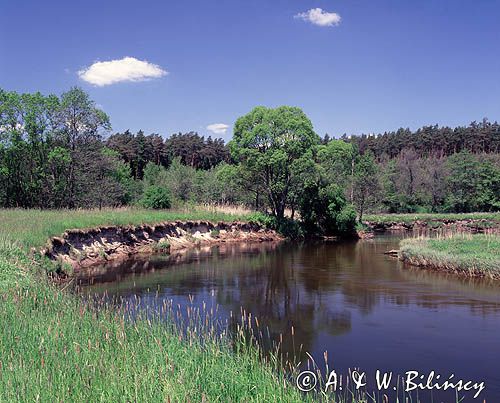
(368, 310)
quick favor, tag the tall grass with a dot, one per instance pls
(473, 255)
(55, 347)
(32, 228)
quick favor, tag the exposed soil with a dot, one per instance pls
(84, 248)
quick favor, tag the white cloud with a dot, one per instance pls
(318, 16)
(115, 71)
(218, 128)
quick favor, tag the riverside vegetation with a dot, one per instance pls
(57, 153)
(53, 346)
(60, 152)
(472, 255)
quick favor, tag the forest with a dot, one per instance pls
(60, 152)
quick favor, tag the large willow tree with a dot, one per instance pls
(272, 144)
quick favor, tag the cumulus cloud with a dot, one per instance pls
(318, 16)
(115, 71)
(218, 128)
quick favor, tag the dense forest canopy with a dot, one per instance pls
(59, 152)
(483, 137)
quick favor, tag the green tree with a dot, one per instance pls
(337, 157)
(267, 142)
(365, 184)
(82, 124)
(472, 184)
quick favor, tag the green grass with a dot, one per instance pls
(473, 255)
(32, 228)
(412, 217)
(54, 347)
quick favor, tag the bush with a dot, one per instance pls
(324, 211)
(266, 220)
(346, 220)
(156, 197)
(290, 228)
(287, 227)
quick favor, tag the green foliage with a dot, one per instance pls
(154, 174)
(289, 228)
(156, 197)
(478, 137)
(162, 246)
(365, 183)
(266, 220)
(324, 210)
(267, 142)
(473, 185)
(346, 220)
(180, 180)
(337, 158)
(52, 155)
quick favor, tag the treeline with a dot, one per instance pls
(58, 152)
(192, 150)
(431, 141)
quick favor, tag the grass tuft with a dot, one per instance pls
(472, 255)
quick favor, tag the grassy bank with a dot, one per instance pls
(428, 217)
(473, 255)
(54, 348)
(32, 228)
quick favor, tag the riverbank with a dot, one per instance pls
(53, 347)
(465, 254)
(469, 222)
(86, 247)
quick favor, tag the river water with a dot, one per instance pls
(366, 309)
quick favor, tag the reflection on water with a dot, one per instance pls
(365, 308)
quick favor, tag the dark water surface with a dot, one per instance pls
(366, 309)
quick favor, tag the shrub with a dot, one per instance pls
(290, 228)
(156, 197)
(266, 220)
(346, 220)
(324, 211)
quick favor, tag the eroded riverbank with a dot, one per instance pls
(87, 247)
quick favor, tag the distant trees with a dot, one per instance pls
(156, 197)
(192, 150)
(51, 152)
(472, 184)
(56, 152)
(482, 137)
(81, 127)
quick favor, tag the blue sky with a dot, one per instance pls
(385, 64)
